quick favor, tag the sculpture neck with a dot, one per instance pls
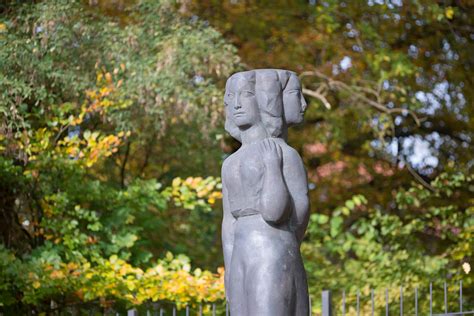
(253, 134)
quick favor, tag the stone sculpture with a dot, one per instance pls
(265, 194)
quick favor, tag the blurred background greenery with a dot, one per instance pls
(111, 141)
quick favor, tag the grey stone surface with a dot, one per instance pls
(265, 192)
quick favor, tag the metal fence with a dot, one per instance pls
(203, 309)
(146, 309)
(430, 300)
(329, 308)
(407, 302)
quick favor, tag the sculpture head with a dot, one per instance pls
(269, 97)
(241, 101)
(294, 103)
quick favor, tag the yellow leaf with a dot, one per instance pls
(72, 266)
(202, 193)
(216, 195)
(57, 274)
(466, 267)
(130, 285)
(123, 270)
(108, 77)
(449, 12)
(113, 258)
(176, 182)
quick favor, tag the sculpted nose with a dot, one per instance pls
(236, 104)
(304, 105)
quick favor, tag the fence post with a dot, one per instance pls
(326, 303)
(132, 312)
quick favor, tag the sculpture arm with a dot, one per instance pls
(296, 180)
(275, 197)
(227, 234)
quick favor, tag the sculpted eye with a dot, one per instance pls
(228, 98)
(247, 94)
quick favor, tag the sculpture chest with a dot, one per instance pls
(243, 175)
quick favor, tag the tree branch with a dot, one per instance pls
(124, 163)
(355, 92)
(318, 96)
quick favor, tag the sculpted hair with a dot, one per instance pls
(270, 101)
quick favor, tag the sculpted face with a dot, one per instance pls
(240, 100)
(294, 103)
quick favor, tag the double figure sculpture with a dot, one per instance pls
(265, 196)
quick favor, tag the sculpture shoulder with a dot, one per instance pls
(229, 160)
(293, 166)
(227, 164)
(290, 155)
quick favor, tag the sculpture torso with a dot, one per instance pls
(243, 173)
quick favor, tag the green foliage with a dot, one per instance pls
(112, 281)
(166, 67)
(366, 247)
(85, 98)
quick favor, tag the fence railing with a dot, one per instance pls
(201, 310)
(430, 300)
(406, 301)
(397, 305)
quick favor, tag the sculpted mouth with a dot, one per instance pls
(239, 113)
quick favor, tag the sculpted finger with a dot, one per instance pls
(267, 144)
(264, 145)
(274, 145)
(275, 148)
(279, 150)
(271, 143)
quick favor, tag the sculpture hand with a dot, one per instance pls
(271, 153)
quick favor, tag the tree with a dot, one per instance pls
(85, 99)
